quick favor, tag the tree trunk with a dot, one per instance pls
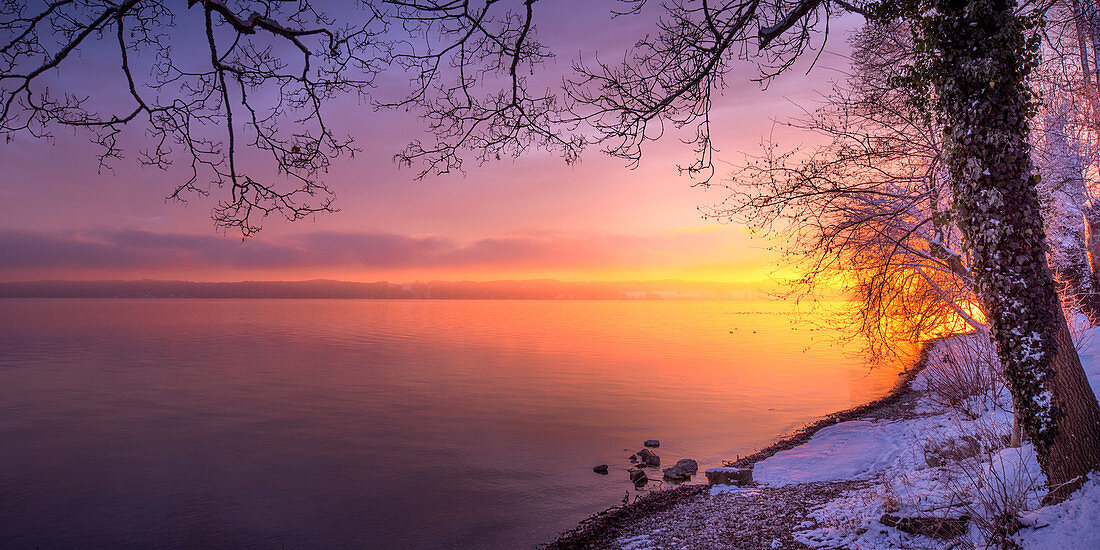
(1075, 452)
(1080, 21)
(977, 54)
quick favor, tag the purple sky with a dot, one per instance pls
(528, 218)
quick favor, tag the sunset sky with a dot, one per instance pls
(534, 217)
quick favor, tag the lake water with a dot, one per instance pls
(379, 424)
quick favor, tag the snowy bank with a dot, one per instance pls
(836, 484)
(944, 463)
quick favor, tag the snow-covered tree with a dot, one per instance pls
(879, 198)
(1067, 150)
(1063, 164)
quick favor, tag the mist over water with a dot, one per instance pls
(376, 423)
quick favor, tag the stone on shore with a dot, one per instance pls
(639, 477)
(729, 476)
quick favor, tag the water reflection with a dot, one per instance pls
(378, 424)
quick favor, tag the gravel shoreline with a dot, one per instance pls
(686, 514)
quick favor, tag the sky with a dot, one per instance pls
(527, 218)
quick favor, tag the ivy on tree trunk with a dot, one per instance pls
(974, 57)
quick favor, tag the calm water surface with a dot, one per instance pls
(378, 424)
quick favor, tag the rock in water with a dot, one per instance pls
(601, 469)
(682, 470)
(649, 458)
(688, 465)
(638, 477)
(652, 443)
(729, 476)
(676, 475)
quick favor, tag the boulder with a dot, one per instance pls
(729, 476)
(638, 477)
(601, 469)
(652, 443)
(676, 475)
(682, 470)
(688, 465)
(649, 458)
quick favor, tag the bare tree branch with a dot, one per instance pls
(181, 102)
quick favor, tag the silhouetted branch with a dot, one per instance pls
(181, 102)
(670, 80)
(270, 68)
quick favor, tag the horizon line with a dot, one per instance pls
(321, 279)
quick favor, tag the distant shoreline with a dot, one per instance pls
(445, 290)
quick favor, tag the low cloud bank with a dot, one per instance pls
(137, 251)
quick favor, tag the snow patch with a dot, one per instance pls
(1074, 523)
(640, 542)
(733, 490)
(856, 449)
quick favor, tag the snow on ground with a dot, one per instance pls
(948, 464)
(733, 490)
(640, 542)
(1072, 524)
(853, 520)
(849, 450)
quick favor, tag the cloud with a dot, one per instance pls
(132, 249)
(136, 250)
(131, 253)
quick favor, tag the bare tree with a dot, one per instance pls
(868, 211)
(209, 80)
(1064, 193)
(470, 84)
(472, 80)
(974, 58)
(669, 80)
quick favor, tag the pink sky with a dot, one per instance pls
(534, 217)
